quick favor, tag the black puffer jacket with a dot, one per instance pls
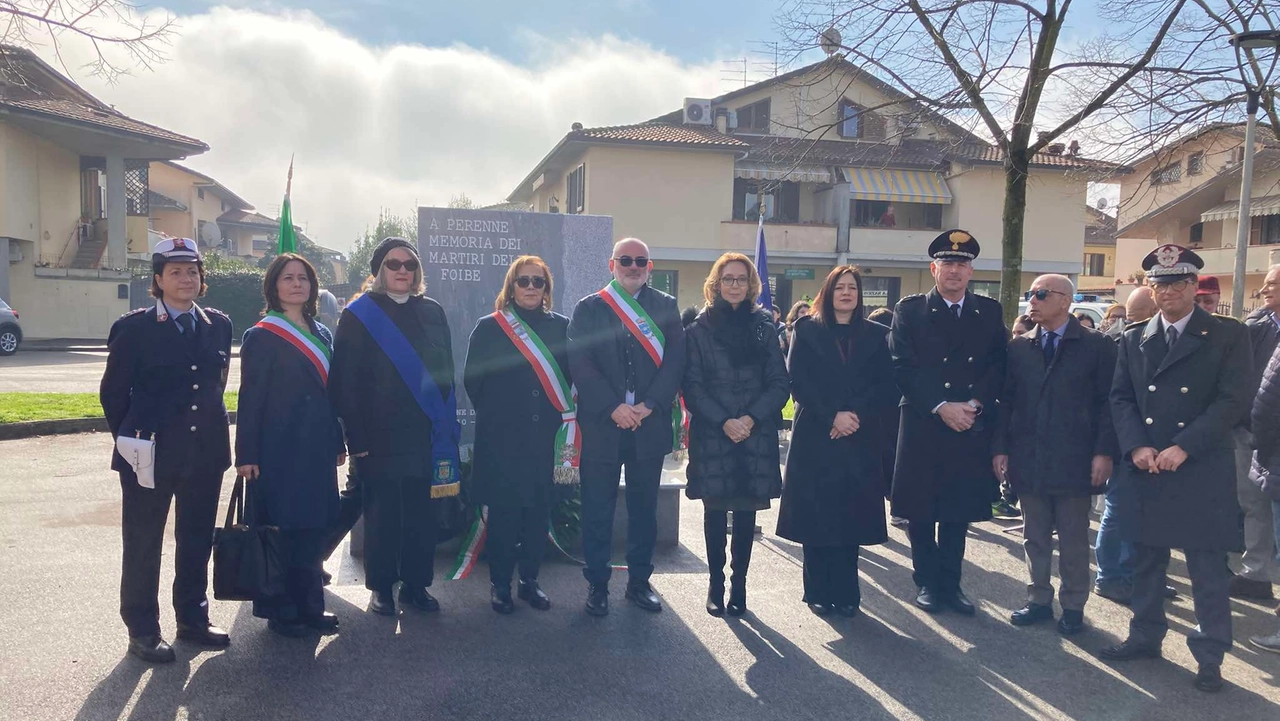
(1266, 430)
(734, 368)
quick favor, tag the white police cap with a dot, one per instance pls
(176, 249)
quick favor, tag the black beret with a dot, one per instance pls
(385, 247)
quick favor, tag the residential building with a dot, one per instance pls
(76, 198)
(194, 205)
(844, 168)
(1098, 274)
(1188, 193)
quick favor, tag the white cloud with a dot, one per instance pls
(378, 127)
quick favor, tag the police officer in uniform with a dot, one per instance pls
(1182, 385)
(948, 351)
(165, 376)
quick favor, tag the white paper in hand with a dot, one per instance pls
(140, 453)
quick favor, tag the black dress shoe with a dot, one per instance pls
(151, 649)
(822, 609)
(288, 629)
(1170, 592)
(960, 603)
(206, 635)
(1119, 591)
(848, 610)
(324, 622)
(928, 601)
(500, 599)
(1071, 623)
(1130, 649)
(644, 597)
(737, 599)
(326, 578)
(715, 599)
(1032, 613)
(1247, 588)
(530, 591)
(598, 600)
(419, 598)
(1209, 678)
(381, 603)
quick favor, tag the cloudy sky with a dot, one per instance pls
(396, 103)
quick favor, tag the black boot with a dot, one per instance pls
(713, 530)
(715, 597)
(744, 528)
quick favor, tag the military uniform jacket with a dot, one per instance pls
(159, 384)
(941, 475)
(1191, 396)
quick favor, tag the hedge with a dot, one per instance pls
(238, 293)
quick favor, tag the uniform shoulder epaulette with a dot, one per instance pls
(913, 296)
(133, 312)
(215, 311)
(1232, 319)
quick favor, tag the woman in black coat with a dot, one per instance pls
(392, 384)
(735, 385)
(518, 455)
(288, 440)
(836, 479)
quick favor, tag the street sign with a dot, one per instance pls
(798, 273)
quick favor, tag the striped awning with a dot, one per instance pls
(1267, 205)
(782, 171)
(902, 186)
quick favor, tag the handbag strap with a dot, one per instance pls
(235, 507)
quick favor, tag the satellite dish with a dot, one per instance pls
(1102, 204)
(210, 234)
(830, 41)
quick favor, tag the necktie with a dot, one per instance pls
(955, 310)
(1048, 346)
(1171, 335)
(188, 325)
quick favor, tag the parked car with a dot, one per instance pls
(1093, 310)
(10, 331)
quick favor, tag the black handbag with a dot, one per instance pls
(248, 559)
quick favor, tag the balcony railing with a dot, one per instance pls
(1222, 261)
(781, 237)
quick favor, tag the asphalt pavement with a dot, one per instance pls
(67, 372)
(62, 646)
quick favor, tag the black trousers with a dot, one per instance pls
(937, 551)
(304, 584)
(599, 501)
(831, 575)
(144, 513)
(715, 526)
(1210, 640)
(350, 507)
(400, 526)
(516, 535)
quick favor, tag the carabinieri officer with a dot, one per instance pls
(166, 372)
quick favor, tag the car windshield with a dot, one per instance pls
(4, 305)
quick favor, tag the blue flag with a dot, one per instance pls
(762, 267)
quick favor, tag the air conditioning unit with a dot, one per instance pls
(697, 111)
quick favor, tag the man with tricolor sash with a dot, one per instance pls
(626, 355)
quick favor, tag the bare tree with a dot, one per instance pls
(118, 32)
(1002, 69)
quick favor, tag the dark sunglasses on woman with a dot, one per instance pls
(625, 261)
(393, 264)
(538, 282)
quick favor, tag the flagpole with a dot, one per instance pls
(286, 239)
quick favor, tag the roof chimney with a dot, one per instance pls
(1055, 149)
(722, 120)
(1074, 148)
(576, 127)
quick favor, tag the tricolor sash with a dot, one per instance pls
(446, 432)
(312, 348)
(636, 319)
(563, 396)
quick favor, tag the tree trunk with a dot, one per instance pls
(1015, 211)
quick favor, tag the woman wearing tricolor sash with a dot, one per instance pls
(527, 438)
(288, 440)
(393, 386)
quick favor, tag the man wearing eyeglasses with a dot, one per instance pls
(1182, 385)
(1054, 443)
(626, 355)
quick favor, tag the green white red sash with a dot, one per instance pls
(563, 396)
(635, 319)
(311, 347)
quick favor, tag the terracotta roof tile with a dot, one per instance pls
(104, 118)
(992, 154)
(245, 217)
(911, 154)
(660, 133)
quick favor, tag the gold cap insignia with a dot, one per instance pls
(957, 237)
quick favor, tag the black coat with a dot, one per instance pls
(599, 346)
(1054, 420)
(516, 423)
(833, 492)
(1266, 430)
(156, 382)
(1191, 396)
(1264, 336)
(716, 388)
(377, 410)
(286, 426)
(941, 475)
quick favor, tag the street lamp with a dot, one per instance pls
(1248, 41)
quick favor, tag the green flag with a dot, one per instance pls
(287, 240)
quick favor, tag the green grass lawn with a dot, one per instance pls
(15, 407)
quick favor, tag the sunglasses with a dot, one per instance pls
(393, 264)
(1044, 293)
(538, 282)
(625, 261)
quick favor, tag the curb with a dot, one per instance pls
(60, 427)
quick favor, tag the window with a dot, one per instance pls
(665, 280)
(1195, 163)
(1168, 174)
(988, 288)
(1197, 234)
(1265, 230)
(848, 119)
(1095, 264)
(754, 118)
(136, 185)
(577, 191)
(884, 214)
(857, 122)
(200, 193)
(780, 200)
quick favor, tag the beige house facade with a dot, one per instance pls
(1189, 193)
(74, 199)
(1097, 275)
(843, 169)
